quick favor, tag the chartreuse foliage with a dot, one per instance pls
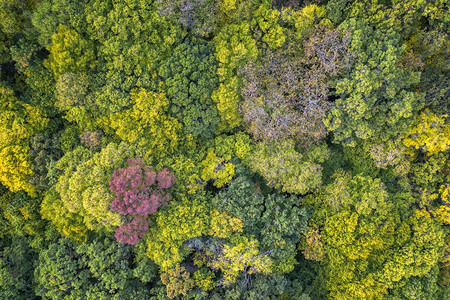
(305, 19)
(242, 255)
(234, 46)
(267, 20)
(69, 52)
(430, 134)
(214, 164)
(110, 23)
(19, 122)
(83, 194)
(368, 247)
(284, 168)
(147, 123)
(181, 221)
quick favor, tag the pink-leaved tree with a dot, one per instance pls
(139, 192)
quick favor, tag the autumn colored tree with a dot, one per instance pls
(19, 122)
(191, 14)
(147, 123)
(137, 198)
(362, 227)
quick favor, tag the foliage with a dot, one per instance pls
(44, 149)
(377, 94)
(191, 14)
(137, 198)
(16, 269)
(83, 186)
(364, 239)
(98, 270)
(19, 215)
(268, 20)
(18, 123)
(242, 255)
(224, 149)
(147, 124)
(303, 20)
(190, 76)
(214, 168)
(233, 47)
(431, 134)
(69, 52)
(177, 281)
(284, 168)
(130, 62)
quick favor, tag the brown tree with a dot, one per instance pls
(285, 96)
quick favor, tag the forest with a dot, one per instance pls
(224, 149)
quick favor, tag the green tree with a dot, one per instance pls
(83, 187)
(16, 269)
(284, 168)
(100, 270)
(190, 77)
(377, 99)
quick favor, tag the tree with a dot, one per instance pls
(98, 270)
(128, 63)
(83, 186)
(16, 269)
(182, 221)
(430, 134)
(14, 24)
(19, 215)
(48, 15)
(190, 77)
(18, 123)
(268, 22)
(177, 281)
(147, 124)
(242, 255)
(69, 52)
(137, 198)
(376, 99)
(234, 46)
(369, 248)
(284, 168)
(44, 149)
(275, 220)
(191, 14)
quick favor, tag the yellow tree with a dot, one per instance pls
(147, 123)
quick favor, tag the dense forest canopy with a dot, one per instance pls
(224, 149)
